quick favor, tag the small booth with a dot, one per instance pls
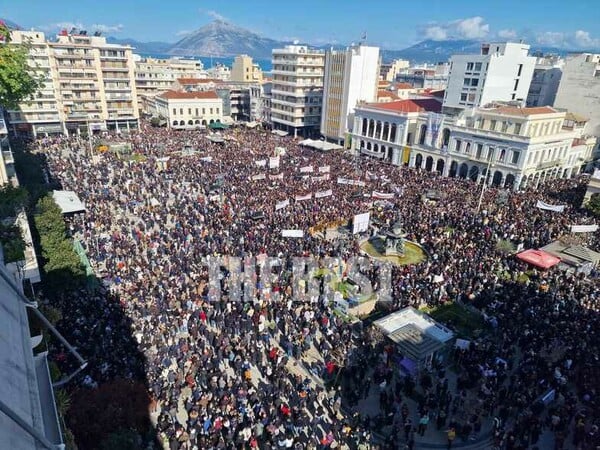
(538, 258)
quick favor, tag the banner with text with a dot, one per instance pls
(583, 228)
(292, 233)
(351, 182)
(324, 169)
(282, 204)
(548, 207)
(300, 198)
(322, 194)
(274, 162)
(382, 195)
(306, 169)
(360, 224)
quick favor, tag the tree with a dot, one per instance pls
(13, 245)
(594, 204)
(18, 80)
(12, 199)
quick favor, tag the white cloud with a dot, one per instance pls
(61, 25)
(507, 34)
(214, 14)
(183, 32)
(469, 28)
(107, 28)
(578, 40)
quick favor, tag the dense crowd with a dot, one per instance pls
(230, 374)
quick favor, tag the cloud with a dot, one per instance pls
(183, 32)
(578, 40)
(107, 28)
(469, 28)
(508, 34)
(214, 15)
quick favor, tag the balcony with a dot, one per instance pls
(8, 157)
(550, 164)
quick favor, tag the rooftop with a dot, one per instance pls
(403, 86)
(197, 80)
(177, 95)
(522, 112)
(398, 320)
(386, 94)
(410, 106)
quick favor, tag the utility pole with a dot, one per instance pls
(485, 178)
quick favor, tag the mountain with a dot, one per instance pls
(10, 24)
(220, 38)
(433, 51)
(155, 47)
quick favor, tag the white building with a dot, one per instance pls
(297, 91)
(500, 72)
(425, 76)
(189, 110)
(219, 72)
(521, 146)
(545, 81)
(389, 71)
(579, 89)
(89, 85)
(351, 76)
(155, 75)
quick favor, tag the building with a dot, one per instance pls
(386, 130)
(425, 76)
(219, 72)
(155, 75)
(29, 418)
(260, 103)
(89, 85)
(501, 72)
(189, 110)
(501, 145)
(245, 70)
(297, 90)
(593, 187)
(351, 76)
(421, 340)
(389, 71)
(544, 83)
(579, 89)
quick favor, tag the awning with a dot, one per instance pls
(68, 202)
(280, 132)
(218, 126)
(320, 145)
(538, 258)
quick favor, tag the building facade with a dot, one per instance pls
(389, 71)
(189, 110)
(351, 76)
(545, 81)
(245, 70)
(89, 85)
(425, 76)
(579, 89)
(154, 75)
(501, 72)
(297, 90)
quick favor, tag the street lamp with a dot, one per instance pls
(485, 178)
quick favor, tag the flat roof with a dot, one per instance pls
(68, 202)
(574, 255)
(393, 323)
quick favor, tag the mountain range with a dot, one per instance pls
(223, 39)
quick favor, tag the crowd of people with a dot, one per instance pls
(276, 373)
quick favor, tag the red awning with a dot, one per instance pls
(538, 258)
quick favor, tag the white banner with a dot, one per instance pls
(279, 151)
(300, 198)
(360, 223)
(322, 194)
(279, 176)
(382, 195)
(260, 176)
(292, 233)
(281, 205)
(351, 182)
(324, 169)
(274, 162)
(206, 158)
(306, 169)
(261, 163)
(321, 178)
(583, 228)
(557, 208)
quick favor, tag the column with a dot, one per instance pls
(446, 170)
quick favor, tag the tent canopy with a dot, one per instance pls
(320, 145)
(538, 258)
(68, 202)
(218, 126)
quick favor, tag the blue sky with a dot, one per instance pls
(389, 24)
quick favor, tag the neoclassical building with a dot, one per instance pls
(506, 146)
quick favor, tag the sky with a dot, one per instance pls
(388, 24)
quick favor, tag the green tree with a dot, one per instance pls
(18, 80)
(122, 440)
(12, 199)
(13, 245)
(594, 204)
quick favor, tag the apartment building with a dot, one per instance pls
(579, 89)
(351, 76)
(297, 90)
(389, 71)
(245, 70)
(500, 72)
(545, 81)
(426, 76)
(89, 85)
(155, 75)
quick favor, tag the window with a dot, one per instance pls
(211, 110)
(181, 111)
(502, 155)
(504, 126)
(189, 111)
(463, 97)
(467, 82)
(458, 145)
(493, 125)
(217, 111)
(471, 97)
(477, 66)
(517, 128)
(468, 148)
(479, 151)
(203, 111)
(470, 66)
(196, 112)
(516, 85)
(474, 81)
(174, 111)
(519, 71)
(515, 157)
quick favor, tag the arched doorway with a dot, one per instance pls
(422, 134)
(390, 153)
(175, 123)
(510, 181)
(393, 133)
(181, 123)
(439, 167)
(197, 122)
(218, 120)
(474, 173)
(190, 122)
(464, 170)
(497, 178)
(204, 122)
(445, 137)
(418, 160)
(453, 169)
(211, 121)
(429, 164)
